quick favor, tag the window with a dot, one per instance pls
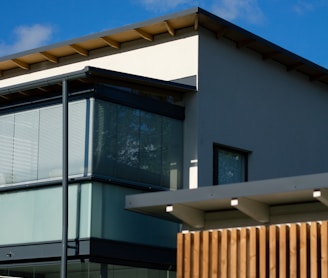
(31, 143)
(230, 165)
(136, 146)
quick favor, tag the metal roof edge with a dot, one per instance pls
(261, 39)
(43, 82)
(139, 78)
(93, 71)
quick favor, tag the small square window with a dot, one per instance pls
(230, 165)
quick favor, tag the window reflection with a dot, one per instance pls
(135, 145)
(230, 165)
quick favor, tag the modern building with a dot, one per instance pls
(188, 120)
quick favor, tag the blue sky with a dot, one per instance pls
(297, 25)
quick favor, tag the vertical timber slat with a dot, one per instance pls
(314, 250)
(303, 250)
(272, 251)
(233, 254)
(214, 245)
(205, 255)
(324, 249)
(293, 265)
(242, 253)
(282, 251)
(180, 255)
(224, 254)
(196, 255)
(253, 252)
(263, 251)
(186, 258)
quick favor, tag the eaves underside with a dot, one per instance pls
(149, 31)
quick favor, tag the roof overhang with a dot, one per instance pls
(283, 200)
(51, 86)
(148, 31)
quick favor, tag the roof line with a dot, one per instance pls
(202, 17)
(107, 32)
(261, 39)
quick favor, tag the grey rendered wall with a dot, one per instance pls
(256, 105)
(190, 142)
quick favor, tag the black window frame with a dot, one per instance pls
(216, 149)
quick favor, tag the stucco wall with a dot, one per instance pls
(256, 105)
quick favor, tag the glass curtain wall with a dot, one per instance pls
(122, 143)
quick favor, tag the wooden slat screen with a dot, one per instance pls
(288, 250)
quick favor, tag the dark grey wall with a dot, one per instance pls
(245, 102)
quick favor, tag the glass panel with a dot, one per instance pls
(26, 146)
(85, 210)
(79, 115)
(6, 149)
(231, 167)
(50, 146)
(151, 147)
(104, 138)
(128, 124)
(33, 222)
(135, 145)
(50, 143)
(38, 212)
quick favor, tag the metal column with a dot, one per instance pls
(64, 181)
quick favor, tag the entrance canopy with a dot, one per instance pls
(273, 201)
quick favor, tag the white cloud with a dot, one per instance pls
(27, 37)
(248, 10)
(239, 9)
(303, 7)
(165, 5)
